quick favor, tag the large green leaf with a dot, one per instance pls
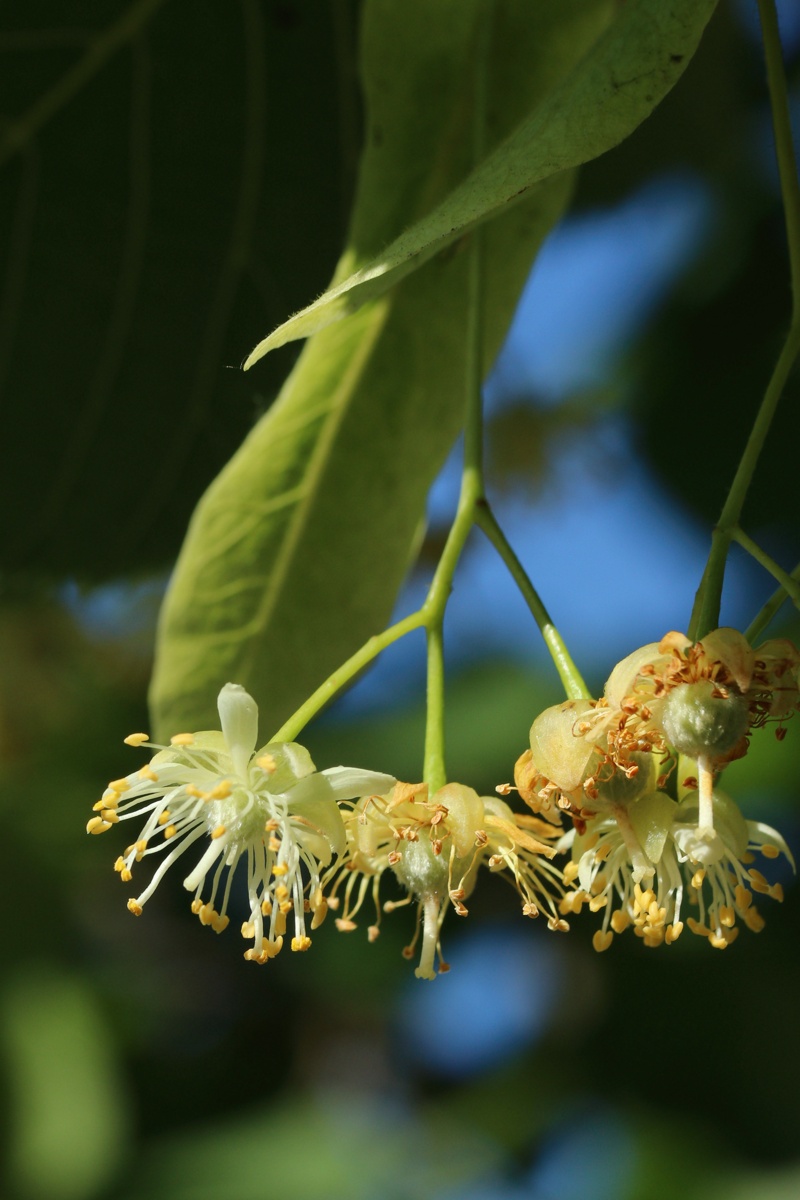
(296, 552)
(617, 85)
(149, 150)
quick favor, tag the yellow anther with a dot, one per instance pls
(285, 906)
(753, 920)
(218, 832)
(97, 825)
(273, 948)
(280, 869)
(274, 844)
(119, 785)
(221, 790)
(602, 939)
(747, 858)
(206, 914)
(373, 933)
(674, 932)
(141, 846)
(100, 804)
(770, 851)
(758, 882)
(182, 739)
(620, 921)
(301, 943)
(602, 852)
(266, 907)
(110, 800)
(119, 865)
(281, 891)
(256, 956)
(191, 790)
(776, 891)
(125, 875)
(136, 739)
(135, 907)
(727, 916)
(267, 763)
(219, 923)
(698, 877)
(170, 831)
(164, 817)
(597, 902)
(197, 904)
(697, 927)
(570, 872)
(320, 913)
(743, 897)
(279, 922)
(147, 772)
(717, 941)
(109, 815)
(248, 929)
(344, 925)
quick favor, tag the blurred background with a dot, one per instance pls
(145, 245)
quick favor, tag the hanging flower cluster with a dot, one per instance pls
(652, 843)
(672, 713)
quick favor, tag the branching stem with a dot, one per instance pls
(705, 615)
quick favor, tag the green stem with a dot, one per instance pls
(765, 614)
(433, 770)
(783, 577)
(344, 674)
(571, 678)
(784, 146)
(705, 614)
(472, 483)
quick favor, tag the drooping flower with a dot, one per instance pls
(654, 868)
(673, 713)
(435, 847)
(269, 808)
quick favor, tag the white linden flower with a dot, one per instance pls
(645, 866)
(269, 807)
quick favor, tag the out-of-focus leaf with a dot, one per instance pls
(617, 85)
(173, 176)
(279, 580)
(68, 1118)
(341, 1148)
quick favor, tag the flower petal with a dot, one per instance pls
(238, 713)
(350, 783)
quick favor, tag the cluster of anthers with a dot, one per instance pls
(653, 844)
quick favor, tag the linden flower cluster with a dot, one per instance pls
(673, 710)
(305, 850)
(654, 844)
(269, 808)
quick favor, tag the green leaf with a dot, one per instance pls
(297, 550)
(68, 1118)
(629, 70)
(148, 153)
